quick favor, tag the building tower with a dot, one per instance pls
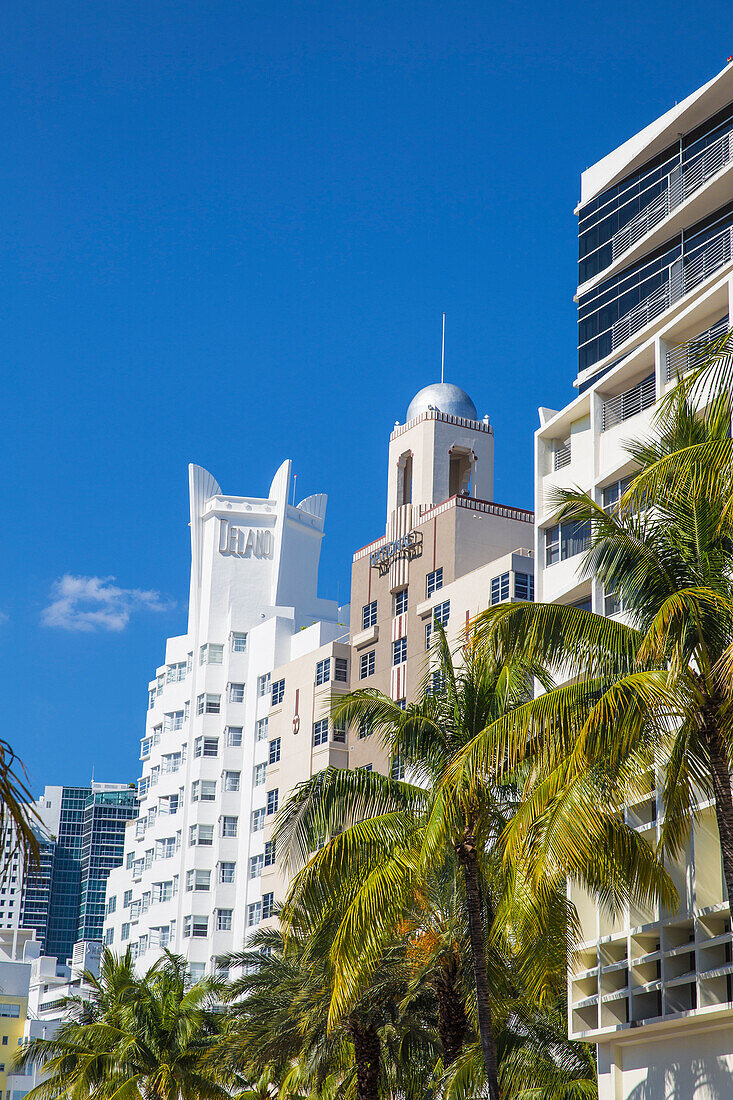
(652, 989)
(207, 785)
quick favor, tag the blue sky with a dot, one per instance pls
(230, 230)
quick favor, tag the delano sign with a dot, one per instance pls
(245, 542)
(408, 546)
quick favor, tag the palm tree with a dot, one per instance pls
(18, 819)
(279, 1017)
(400, 838)
(141, 1038)
(653, 688)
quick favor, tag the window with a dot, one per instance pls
(263, 685)
(203, 835)
(367, 664)
(211, 654)
(320, 732)
(441, 612)
(339, 731)
(231, 781)
(613, 603)
(127, 899)
(165, 848)
(364, 768)
(236, 693)
(198, 880)
(254, 914)
(436, 683)
(400, 602)
(366, 726)
(208, 790)
(584, 604)
(125, 932)
(399, 651)
(341, 673)
(273, 798)
(208, 704)
(259, 774)
(369, 615)
(176, 672)
(112, 905)
(234, 737)
(323, 671)
(612, 493)
(398, 767)
(500, 588)
(206, 746)
(151, 699)
(256, 864)
(270, 853)
(401, 703)
(109, 936)
(226, 872)
(198, 927)
(268, 905)
(274, 752)
(258, 819)
(564, 540)
(229, 826)
(524, 586)
(224, 920)
(173, 720)
(434, 581)
(261, 729)
(278, 692)
(239, 642)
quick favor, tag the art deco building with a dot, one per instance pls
(652, 989)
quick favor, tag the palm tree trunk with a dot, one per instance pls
(467, 857)
(723, 804)
(366, 1058)
(452, 1019)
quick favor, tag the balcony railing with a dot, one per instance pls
(561, 455)
(685, 357)
(633, 401)
(684, 180)
(681, 276)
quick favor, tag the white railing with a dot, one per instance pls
(684, 180)
(682, 275)
(684, 357)
(632, 401)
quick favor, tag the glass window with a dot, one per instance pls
(574, 538)
(369, 615)
(203, 835)
(261, 729)
(211, 655)
(125, 932)
(272, 801)
(400, 602)
(254, 914)
(260, 774)
(208, 704)
(339, 731)
(399, 651)
(441, 612)
(611, 494)
(236, 693)
(342, 670)
(584, 605)
(234, 737)
(323, 671)
(226, 872)
(231, 781)
(200, 928)
(256, 863)
(278, 692)
(224, 920)
(263, 685)
(500, 588)
(397, 770)
(366, 726)
(524, 586)
(274, 751)
(239, 642)
(206, 746)
(434, 581)
(229, 826)
(268, 905)
(270, 851)
(258, 819)
(367, 664)
(320, 732)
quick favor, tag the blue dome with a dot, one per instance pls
(444, 397)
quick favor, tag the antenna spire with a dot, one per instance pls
(442, 356)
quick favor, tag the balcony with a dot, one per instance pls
(687, 356)
(681, 276)
(682, 182)
(627, 404)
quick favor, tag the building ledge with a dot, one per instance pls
(366, 637)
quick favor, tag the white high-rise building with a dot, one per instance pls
(204, 792)
(653, 989)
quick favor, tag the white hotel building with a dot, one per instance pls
(652, 989)
(204, 791)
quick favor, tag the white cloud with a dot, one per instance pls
(95, 603)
